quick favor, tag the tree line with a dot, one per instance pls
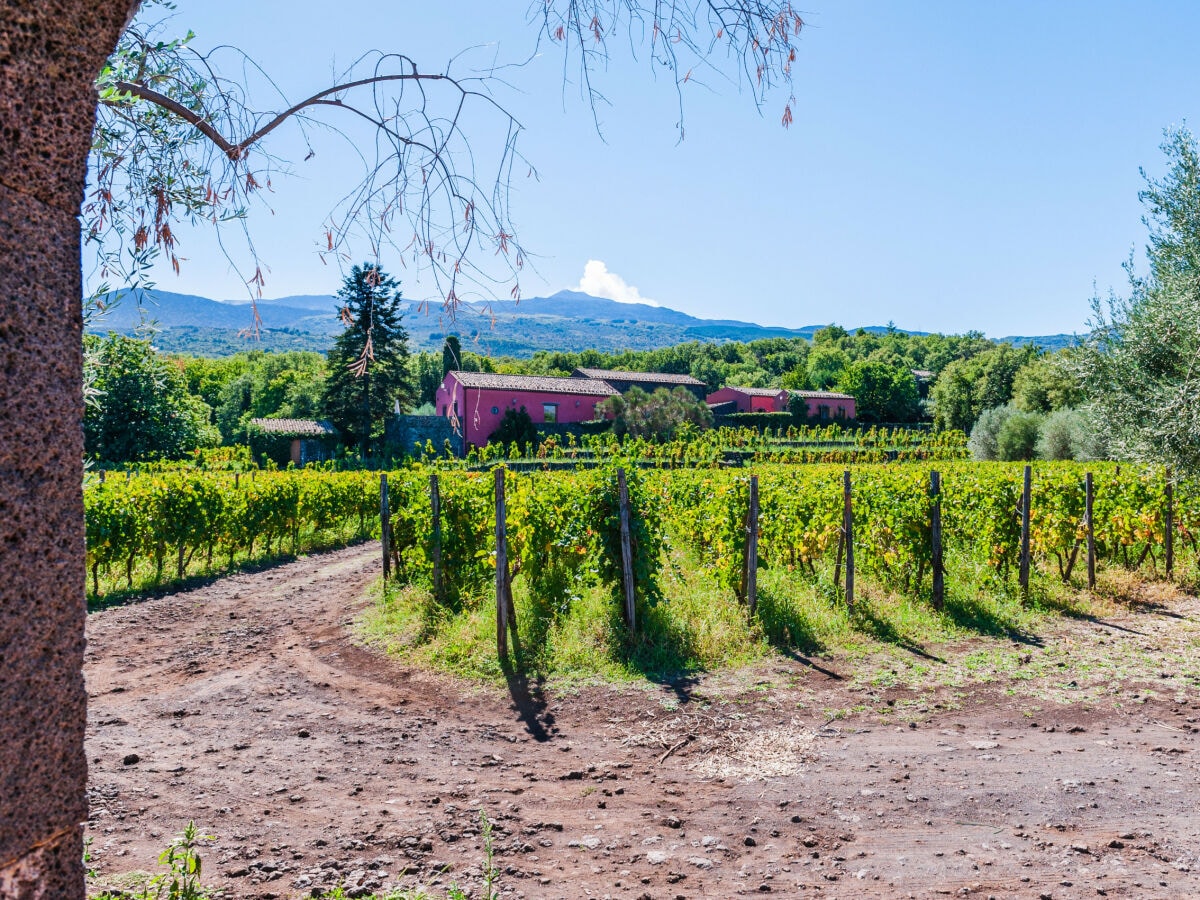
(147, 405)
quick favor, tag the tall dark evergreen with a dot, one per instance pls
(368, 364)
(451, 355)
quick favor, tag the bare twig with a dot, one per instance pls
(687, 740)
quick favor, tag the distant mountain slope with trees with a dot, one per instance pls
(567, 321)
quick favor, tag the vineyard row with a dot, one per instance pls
(564, 528)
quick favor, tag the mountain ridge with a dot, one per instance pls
(567, 321)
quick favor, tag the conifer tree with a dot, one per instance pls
(368, 364)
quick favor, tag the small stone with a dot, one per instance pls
(131, 759)
(749, 841)
(700, 862)
(674, 822)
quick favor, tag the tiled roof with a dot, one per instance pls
(546, 383)
(757, 392)
(294, 427)
(821, 395)
(653, 377)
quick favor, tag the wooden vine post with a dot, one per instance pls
(935, 537)
(502, 594)
(1026, 496)
(1169, 527)
(385, 523)
(435, 510)
(751, 569)
(1088, 499)
(626, 551)
(848, 533)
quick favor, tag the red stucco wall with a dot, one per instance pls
(749, 402)
(847, 407)
(475, 405)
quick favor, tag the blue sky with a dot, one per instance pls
(951, 165)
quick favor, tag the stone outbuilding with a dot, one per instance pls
(312, 440)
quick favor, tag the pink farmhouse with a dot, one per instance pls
(752, 399)
(824, 406)
(476, 401)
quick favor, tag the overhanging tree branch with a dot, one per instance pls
(176, 141)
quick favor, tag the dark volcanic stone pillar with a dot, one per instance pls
(50, 51)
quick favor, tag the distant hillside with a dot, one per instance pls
(568, 320)
(1050, 342)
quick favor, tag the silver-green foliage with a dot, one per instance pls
(1018, 436)
(1141, 367)
(1070, 434)
(985, 436)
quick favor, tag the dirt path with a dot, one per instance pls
(246, 706)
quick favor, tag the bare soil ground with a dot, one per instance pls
(1061, 765)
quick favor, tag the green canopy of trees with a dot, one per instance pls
(139, 407)
(966, 387)
(882, 392)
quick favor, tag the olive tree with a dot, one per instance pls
(1141, 365)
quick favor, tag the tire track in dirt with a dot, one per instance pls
(315, 761)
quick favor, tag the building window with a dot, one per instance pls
(840, 412)
(550, 413)
(495, 410)
(823, 413)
